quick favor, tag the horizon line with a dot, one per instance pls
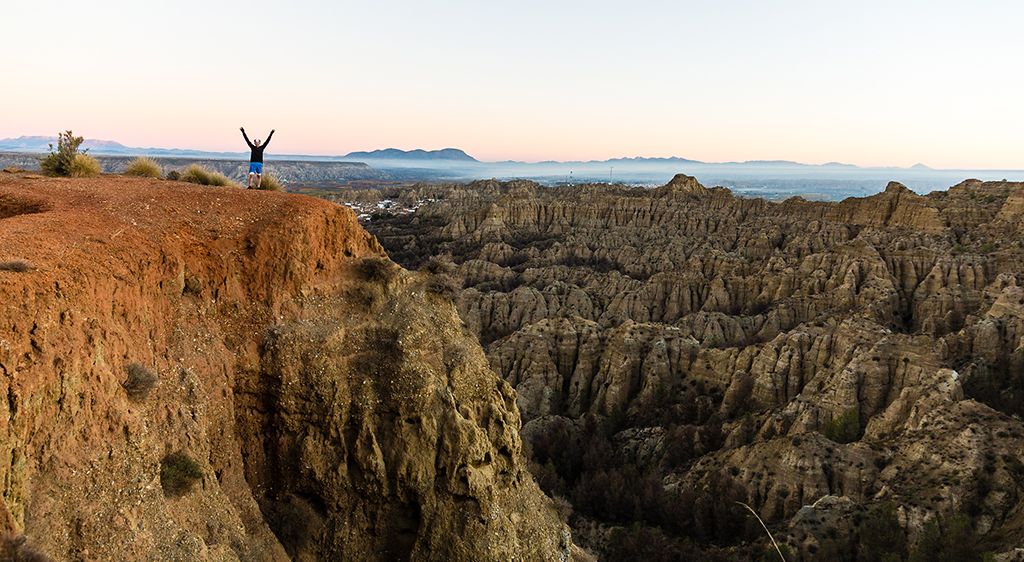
(316, 154)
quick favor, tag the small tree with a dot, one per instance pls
(61, 162)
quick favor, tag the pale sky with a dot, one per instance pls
(870, 82)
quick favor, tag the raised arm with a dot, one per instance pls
(266, 142)
(244, 136)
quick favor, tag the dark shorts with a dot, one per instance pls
(256, 168)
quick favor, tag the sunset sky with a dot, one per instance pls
(870, 83)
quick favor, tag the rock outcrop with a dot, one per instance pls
(334, 407)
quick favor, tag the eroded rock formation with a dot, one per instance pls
(721, 339)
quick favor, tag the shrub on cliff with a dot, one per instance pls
(143, 167)
(140, 381)
(442, 279)
(15, 548)
(881, 539)
(174, 175)
(17, 266)
(178, 473)
(444, 285)
(200, 175)
(376, 270)
(61, 161)
(845, 428)
(948, 540)
(438, 265)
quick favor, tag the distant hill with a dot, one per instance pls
(42, 144)
(419, 154)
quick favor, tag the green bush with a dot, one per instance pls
(143, 167)
(270, 183)
(178, 473)
(845, 428)
(60, 162)
(84, 166)
(200, 175)
(880, 537)
(174, 175)
(140, 381)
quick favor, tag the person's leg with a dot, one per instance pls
(259, 180)
(252, 179)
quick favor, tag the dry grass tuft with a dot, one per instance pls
(270, 183)
(200, 175)
(84, 166)
(143, 167)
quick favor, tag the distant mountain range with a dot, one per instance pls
(107, 147)
(452, 154)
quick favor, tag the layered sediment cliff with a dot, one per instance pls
(333, 406)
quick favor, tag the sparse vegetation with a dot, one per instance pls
(15, 548)
(200, 175)
(178, 473)
(437, 265)
(140, 381)
(143, 167)
(17, 266)
(174, 175)
(948, 540)
(61, 161)
(442, 279)
(845, 428)
(444, 285)
(270, 183)
(376, 270)
(881, 539)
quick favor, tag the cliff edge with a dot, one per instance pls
(333, 405)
